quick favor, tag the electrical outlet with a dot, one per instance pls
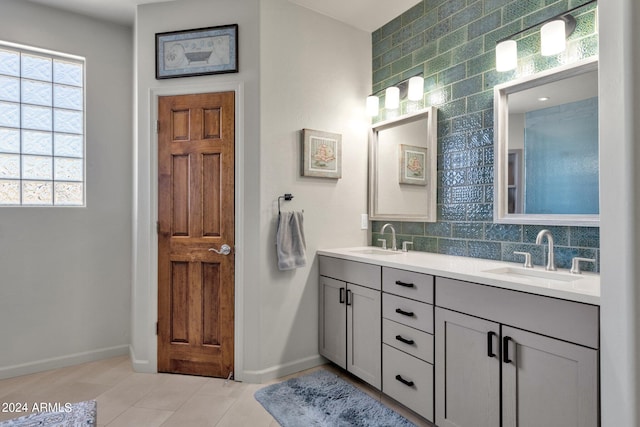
(364, 222)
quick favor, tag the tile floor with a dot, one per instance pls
(126, 398)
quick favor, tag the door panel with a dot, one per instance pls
(196, 142)
(467, 378)
(333, 319)
(364, 334)
(548, 383)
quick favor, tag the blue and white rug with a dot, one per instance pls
(324, 399)
(81, 414)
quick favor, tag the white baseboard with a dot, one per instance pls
(141, 365)
(277, 371)
(62, 361)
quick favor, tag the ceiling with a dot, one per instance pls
(367, 15)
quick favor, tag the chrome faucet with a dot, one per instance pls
(394, 247)
(551, 263)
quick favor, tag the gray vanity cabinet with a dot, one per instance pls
(535, 357)
(350, 312)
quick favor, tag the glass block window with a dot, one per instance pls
(42, 144)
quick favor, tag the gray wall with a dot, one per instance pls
(65, 273)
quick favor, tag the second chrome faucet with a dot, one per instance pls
(394, 246)
(551, 263)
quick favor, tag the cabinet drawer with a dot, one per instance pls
(420, 344)
(566, 320)
(418, 315)
(417, 395)
(408, 284)
(358, 273)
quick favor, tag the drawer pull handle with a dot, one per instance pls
(341, 295)
(404, 313)
(490, 336)
(349, 297)
(404, 340)
(505, 349)
(405, 382)
(406, 285)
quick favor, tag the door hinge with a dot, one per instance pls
(158, 227)
(157, 329)
(157, 126)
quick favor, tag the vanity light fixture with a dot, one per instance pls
(392, 98)
(506, 55)
(553, 39)
(373, 105)
(416, 88)
(411, 88)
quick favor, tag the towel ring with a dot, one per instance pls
(287, 197)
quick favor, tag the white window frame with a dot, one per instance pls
(53, 55)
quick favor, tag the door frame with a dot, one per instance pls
(154, 94)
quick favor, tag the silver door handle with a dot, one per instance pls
(224, 250)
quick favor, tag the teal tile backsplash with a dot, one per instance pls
(452, 43)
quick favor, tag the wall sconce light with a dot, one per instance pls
(392, 98)
(553, 39)
(412, 89)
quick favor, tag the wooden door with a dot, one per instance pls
(196, 140)
(467, 371)
(333, 321)
(548, 382)
(364, 334)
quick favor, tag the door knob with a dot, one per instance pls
(224, 250)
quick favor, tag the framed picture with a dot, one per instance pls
(212, 50)
(322, 154)
(413, 162)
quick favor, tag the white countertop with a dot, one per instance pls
(583, 288)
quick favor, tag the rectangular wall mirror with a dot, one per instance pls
(403, 168)
(547, 148)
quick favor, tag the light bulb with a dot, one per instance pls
(373, 105)
(506, 55)
(416, 88)
(392, 98)
(553, 38)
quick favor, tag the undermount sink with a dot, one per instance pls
(376, 252)
(541, 274)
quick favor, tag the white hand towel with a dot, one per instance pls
(290, 243)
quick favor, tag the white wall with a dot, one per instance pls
(65, 273)
(620, 212)
(315, 73)
(297, 69)
(170, 16)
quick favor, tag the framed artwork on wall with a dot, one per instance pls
(198, 52)
(321, 154)
(413, 162)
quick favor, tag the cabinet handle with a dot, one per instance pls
(341, 295)
(406, 285)
(490, 336)
(405, 382)
(505, 349)
(404, 313)
(349, 299)
(404, 340)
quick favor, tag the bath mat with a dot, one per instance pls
(81, 414)
(324, 399)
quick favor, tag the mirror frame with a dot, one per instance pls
(430, 114)
(501, 147)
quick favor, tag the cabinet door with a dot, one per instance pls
(548, 382)
(332, 334)
(364, 334)
(467, 371)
